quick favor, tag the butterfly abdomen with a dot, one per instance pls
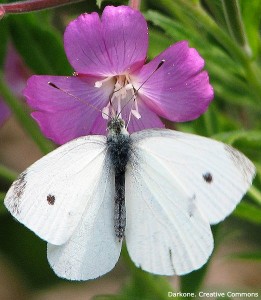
(119, 152)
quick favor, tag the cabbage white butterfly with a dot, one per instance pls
(160, 189)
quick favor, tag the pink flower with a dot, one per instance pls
(16, 73)
(108, 55)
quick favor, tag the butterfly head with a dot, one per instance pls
(116, 126)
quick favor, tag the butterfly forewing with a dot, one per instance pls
(51, 195)
(215, 174)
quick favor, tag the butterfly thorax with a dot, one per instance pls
(119, 146)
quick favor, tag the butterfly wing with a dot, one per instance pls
(93, 249)
(215, 173)
(51, 196)
(176, 184)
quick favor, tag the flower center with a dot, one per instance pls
(124, 97)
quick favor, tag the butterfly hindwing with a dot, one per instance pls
(93, 248)
(176, 184)
(165, 232)
(52, 194)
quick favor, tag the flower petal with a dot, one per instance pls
(15, 70)
(4, 112)
(109, 46)
(61, 116)
(178, 90)
(148, 119)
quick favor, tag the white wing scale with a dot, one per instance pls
(93, 249)
(52, 194)
(165, 233)
(189, 158)
(176, 184)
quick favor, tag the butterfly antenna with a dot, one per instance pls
(77, 98)
(136, 90)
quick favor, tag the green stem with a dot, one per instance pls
(235, 24)
(255, 194)
(23, 117)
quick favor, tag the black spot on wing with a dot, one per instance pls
(50, 199)
(208, 177)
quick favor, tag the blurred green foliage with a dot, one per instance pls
(226, 34)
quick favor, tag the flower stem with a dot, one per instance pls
(135, 4)
(23, 117)
(33, 5)
(235, 24)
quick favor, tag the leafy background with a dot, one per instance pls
(227, 35)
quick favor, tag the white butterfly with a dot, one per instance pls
(176, 185)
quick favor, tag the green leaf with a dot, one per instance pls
(255, 194)
(216, 10)
(158, 42)
(39, 44)
(99, 3)
(251, 13)
(248, 212)
(252, 137)
(235, 23)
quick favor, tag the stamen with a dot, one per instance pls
(106, 112)
(135, 111)
(119, 107)
(120, 97)
(128, 86)
(99, 83)
(136, 114)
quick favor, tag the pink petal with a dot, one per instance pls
(148, 119)
(4, 112)
(16, 72)
(178, 90)
(63, 117)
(109, 46)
